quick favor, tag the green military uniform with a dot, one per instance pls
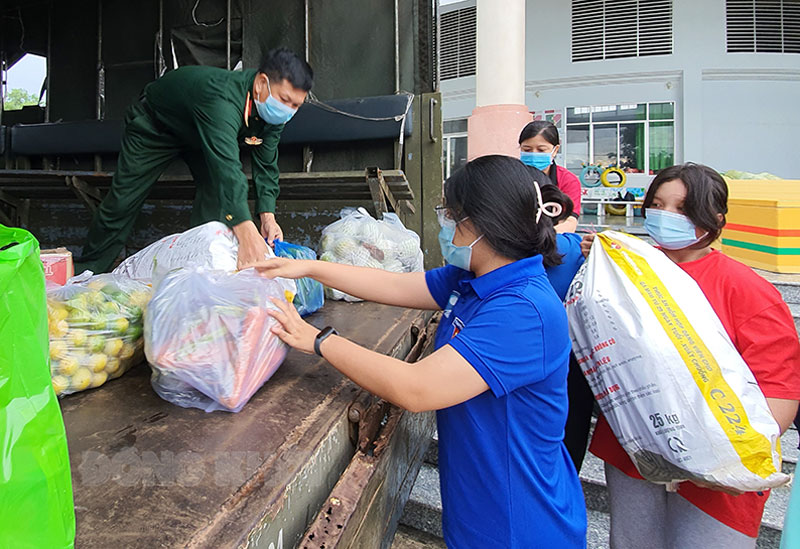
(202, 114)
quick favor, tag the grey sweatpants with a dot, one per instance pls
(645, 515)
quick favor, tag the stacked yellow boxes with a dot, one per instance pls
(763, 228)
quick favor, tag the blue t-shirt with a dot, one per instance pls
(506, 478)
(569, 246)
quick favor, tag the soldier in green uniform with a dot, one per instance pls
(204, 115)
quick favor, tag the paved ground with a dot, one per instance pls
(779, 277)
(409, 538)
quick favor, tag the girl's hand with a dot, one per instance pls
(293, 330)
(586, 243)
(283, 267)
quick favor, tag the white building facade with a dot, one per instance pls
(644, 84)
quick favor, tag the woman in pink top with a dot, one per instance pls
(539, 144)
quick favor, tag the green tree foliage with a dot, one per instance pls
(17, 98)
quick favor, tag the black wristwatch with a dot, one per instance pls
(321, 336)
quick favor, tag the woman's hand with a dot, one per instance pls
(293, 330)
(586, 243)
(283, 267)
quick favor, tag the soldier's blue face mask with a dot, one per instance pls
(273, 111)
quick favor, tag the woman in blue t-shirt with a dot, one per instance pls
(498, 375)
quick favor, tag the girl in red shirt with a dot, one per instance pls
(685, 209)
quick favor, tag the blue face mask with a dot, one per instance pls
(273, 111)
(457, 256)
(672, 231)
(537, 160)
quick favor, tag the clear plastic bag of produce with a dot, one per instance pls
(36, 508)
(212, 246)
(208, 337)
(95, 330)
(361, 240)
(680, 399)
(310, 295)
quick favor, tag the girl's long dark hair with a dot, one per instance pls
(497, 193)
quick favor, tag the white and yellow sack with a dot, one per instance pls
(678, 396)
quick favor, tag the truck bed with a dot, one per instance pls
(147, 473)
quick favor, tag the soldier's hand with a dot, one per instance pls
(252, 248)
(270, 228)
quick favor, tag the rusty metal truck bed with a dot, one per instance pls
(147, 473)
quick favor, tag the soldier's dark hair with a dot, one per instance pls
(284, 64)
(497, 193)
(706, 195)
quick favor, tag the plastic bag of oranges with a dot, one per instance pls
(95, 326)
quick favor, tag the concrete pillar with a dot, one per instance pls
(501, 113)
(690, 113)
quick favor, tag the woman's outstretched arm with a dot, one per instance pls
(400, 289)
(438, 381)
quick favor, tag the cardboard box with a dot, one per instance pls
(58, 265)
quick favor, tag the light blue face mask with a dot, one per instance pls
(537, 160)
(457, 256)
(672, 231)
(273, 111)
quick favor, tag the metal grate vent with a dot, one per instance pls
(763, 26)
(613, 29)
(458, 38)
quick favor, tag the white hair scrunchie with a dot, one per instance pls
(550, 209)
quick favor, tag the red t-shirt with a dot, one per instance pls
(762, 330)
(570, 186)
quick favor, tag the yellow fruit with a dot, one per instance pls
(113, 347)
(119, 325)
(95, 298)
(110, 308)
(288, 295)
(58, 349)
(60, 384)
(112, 366)
(139, 299)
(127, 351)
(68, 366)
(59, 329)
(96, 343)
(79, 302)
(77, 337)
(97, 362)
(98, 379)
(95, 284)
(59, 313)
(81, 379)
